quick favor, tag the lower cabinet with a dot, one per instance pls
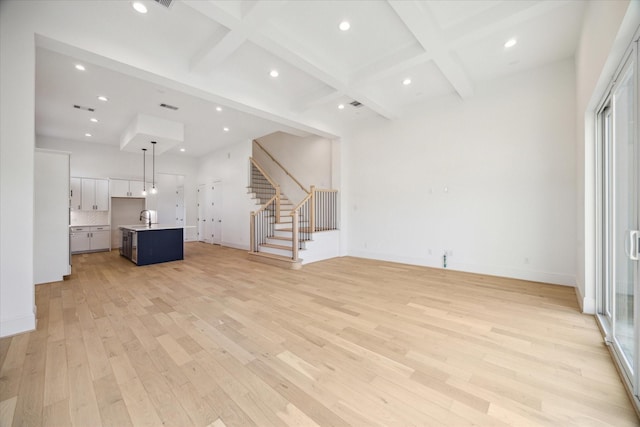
(88, 239)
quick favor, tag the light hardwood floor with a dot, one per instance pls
(217, 340)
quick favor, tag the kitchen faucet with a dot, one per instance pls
(146, 217)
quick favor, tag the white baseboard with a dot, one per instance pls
(17, 325)
(587, 305)
(501, 271)
(235, 246)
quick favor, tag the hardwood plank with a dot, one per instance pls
(7, 409)
(113, 410)
(56, 384)
(57, 414)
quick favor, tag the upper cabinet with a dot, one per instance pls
(94, 194)
(126, 188)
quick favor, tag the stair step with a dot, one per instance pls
(274, 246)
(281, 238)
(289, 229)
(275, 260)
(276, 249)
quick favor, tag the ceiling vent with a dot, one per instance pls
(356, 104)
(170, 107)
(165, 3)
(80, 107)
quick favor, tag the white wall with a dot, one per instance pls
(107, 161)
(490, 178)
(307, 159)
(51, 260)
(17, 76)
(230, 165)
(607, 30)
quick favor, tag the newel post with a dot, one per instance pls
(252, 227)
(278, 203)
(312, 214)
(295, 236)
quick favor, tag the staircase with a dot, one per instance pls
(280, 230)
(278, 247)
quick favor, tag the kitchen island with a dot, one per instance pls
(152, 244)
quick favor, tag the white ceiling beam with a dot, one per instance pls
(317, 98)
(251, 27)
(499, 18)
(283, 47)
(393, 64)
(420, 21)
(217, 50)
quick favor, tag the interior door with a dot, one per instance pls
(216, 212)
(204, 223)
(180, 211)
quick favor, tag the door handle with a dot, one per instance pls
(633, 245)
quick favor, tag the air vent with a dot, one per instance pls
(80, 107)
(170, 107)
(165, 3)
(356, 104)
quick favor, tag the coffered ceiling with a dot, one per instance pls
(220, 53)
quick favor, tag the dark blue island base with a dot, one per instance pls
(155, 246)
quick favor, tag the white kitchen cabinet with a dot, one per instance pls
(126, 188)
(95, 194)
(87, 239)
(76, 194)
(100, 238)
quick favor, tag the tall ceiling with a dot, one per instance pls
(227, 49)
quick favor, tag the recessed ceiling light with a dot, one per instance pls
(406, 82)
(341, 107)
(225, 129)
(103, 98)
(139, 7)
(218, 108)
(344, 26)
(274, 73)
(510, 43)
(183, 150)
(93, 119)
(88, 134)
(80, 67)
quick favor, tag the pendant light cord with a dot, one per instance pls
(144, 170)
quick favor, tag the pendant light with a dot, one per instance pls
(153, 170)
(144, 170)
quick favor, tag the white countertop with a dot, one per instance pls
(144, 227)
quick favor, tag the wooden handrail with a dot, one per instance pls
(266, 175)
(264, 206)
(297, 207)
(281, 167)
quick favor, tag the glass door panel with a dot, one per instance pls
(624, 216)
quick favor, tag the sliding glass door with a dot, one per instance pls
(619, 293)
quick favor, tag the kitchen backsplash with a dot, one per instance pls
(89, 218)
